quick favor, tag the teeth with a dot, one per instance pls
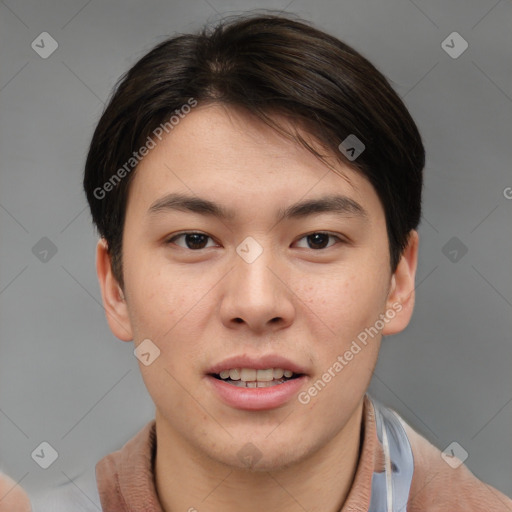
(251, 375)
(242, 384)
(278, 373)
(267, 384)
(234, 374)
(265, 375)
(248, 374)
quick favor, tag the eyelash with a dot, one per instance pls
(175, 237)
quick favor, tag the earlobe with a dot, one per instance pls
(401, 294)
(112, 295)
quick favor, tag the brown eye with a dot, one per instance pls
(318, 240)
(193, 241)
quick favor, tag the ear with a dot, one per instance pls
(112, 295)
(401, 294)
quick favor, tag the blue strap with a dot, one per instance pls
(390, 489)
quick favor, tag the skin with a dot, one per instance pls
(200, 306)
(12, 497)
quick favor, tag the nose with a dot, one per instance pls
(256, 296)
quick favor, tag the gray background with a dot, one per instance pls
(66, 380)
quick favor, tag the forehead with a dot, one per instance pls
(228, 156)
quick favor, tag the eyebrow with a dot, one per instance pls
(338, 204)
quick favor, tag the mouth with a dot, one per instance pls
(255, 378)
(256, 383)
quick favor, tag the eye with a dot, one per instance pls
(318, 240)
(192, 240)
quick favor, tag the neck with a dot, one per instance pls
(188, 481)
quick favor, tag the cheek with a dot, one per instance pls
(159, 297)
(171, 308)
(342, 304)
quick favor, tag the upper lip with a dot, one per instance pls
(262, 362)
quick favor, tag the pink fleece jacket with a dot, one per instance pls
(126, 480)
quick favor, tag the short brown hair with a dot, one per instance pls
(269, 64)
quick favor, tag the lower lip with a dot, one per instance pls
(256, 399)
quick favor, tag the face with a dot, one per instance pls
(295, 275)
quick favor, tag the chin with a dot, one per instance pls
(262, 456)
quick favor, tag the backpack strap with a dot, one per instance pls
(390, 489)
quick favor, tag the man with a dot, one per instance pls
(257, 190)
